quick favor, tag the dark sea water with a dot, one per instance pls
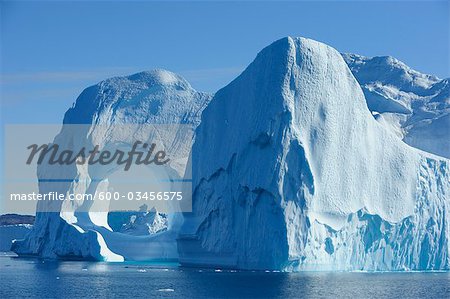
(32, 278)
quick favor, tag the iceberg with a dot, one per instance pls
(13, 227)
(414, 105)
(138, 223)
(292, 172)
(155, 97)
(11, 233)
(309, 160)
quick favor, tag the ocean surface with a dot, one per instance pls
(33, 278)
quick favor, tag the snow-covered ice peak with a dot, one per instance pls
(309, 167)
(415, 106)
(160, 77)
(156, 97)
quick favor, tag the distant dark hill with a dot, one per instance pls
(11, 219)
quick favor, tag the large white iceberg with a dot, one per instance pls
(83, 232)
(291, 171)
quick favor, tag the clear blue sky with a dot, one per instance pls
(50, 51)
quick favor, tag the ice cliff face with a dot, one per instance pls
(414, 105)
(291, 171)
(156, 97)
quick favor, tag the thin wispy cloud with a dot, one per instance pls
(208, 74)
(195, 75)
(62, 76)
(63, 87)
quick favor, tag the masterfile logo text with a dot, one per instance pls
(97, 168)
